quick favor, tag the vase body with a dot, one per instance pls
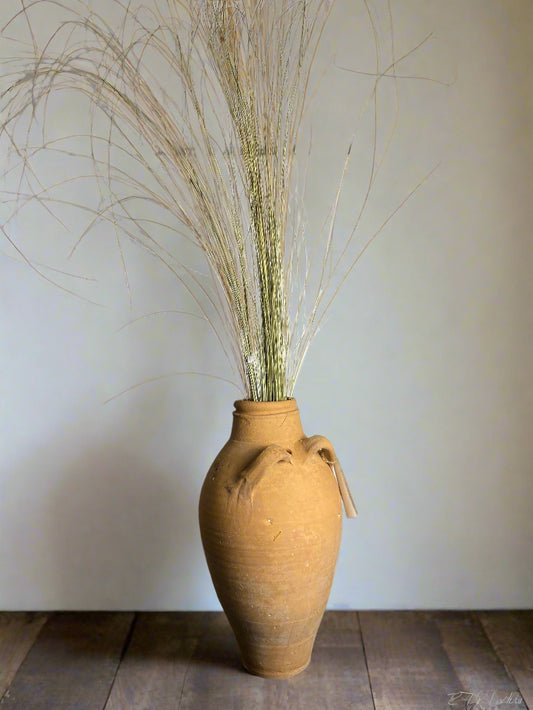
(270, 519)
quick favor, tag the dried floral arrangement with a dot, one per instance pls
(203, 103)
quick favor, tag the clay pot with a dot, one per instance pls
(270, 519)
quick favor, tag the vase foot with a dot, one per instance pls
(276, 675)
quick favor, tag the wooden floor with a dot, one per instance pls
(189, 661)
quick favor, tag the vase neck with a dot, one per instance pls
(267, 422)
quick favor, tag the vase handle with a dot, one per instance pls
(249, 477)
(320, 445)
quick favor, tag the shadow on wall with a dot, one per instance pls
(107, 528)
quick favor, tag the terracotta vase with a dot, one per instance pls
(270, 520)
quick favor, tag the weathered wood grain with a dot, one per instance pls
(153, 670)
(71, 664)
(511, 634)
(422, 660)
(18, 631)
(339, 628)
(190, 661)
(335, 679)
(407, 664)
(484, 680)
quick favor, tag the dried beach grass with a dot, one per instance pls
(204, 99)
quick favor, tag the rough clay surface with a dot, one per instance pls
(271, 518)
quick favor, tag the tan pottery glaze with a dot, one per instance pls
(270, 519)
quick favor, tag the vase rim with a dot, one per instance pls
(248, 406)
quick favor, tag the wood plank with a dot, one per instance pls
(72, 664)
(153, 670)
(420, 660)
(215, 674)
(18, 631)
(336, 677)
(408, 666)
(339, 628)
(484, 679)
(511, 634)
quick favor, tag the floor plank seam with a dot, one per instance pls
(124, 650)
(523, 705)
(369, 677)
(471, 650)
(5, 694)
(187, 669)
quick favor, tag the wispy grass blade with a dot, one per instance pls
(196, 110)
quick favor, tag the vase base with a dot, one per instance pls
(276, 675)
